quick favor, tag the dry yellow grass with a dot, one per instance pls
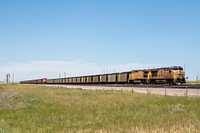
(51, 109)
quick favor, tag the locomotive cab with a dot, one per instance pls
(178, 74)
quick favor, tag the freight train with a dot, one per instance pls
(166, 75)
(35, 81)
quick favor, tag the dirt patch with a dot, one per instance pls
(6, 96)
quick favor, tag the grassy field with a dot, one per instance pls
(48, 109)
(193, 82)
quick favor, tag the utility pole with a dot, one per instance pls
(13, 78)
(64, 74)
(59, 77)
(7, 78)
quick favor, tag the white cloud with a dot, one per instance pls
(52, 69)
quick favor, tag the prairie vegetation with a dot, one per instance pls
(193, 82)
(50, 109)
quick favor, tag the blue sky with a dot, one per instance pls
(101, 32)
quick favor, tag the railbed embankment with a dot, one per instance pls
(166, 90)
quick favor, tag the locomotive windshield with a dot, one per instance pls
(177, 68)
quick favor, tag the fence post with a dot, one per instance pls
(132, 89)
(147, 90)
(186, 91)
(165, 91)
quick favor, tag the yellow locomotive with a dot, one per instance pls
(168, 75)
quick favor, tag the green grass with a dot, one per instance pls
(49, 109)
(193, 82)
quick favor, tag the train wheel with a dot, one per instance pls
(148, 81)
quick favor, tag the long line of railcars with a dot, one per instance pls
(35, 81)
(167, 75)
(113, 78)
